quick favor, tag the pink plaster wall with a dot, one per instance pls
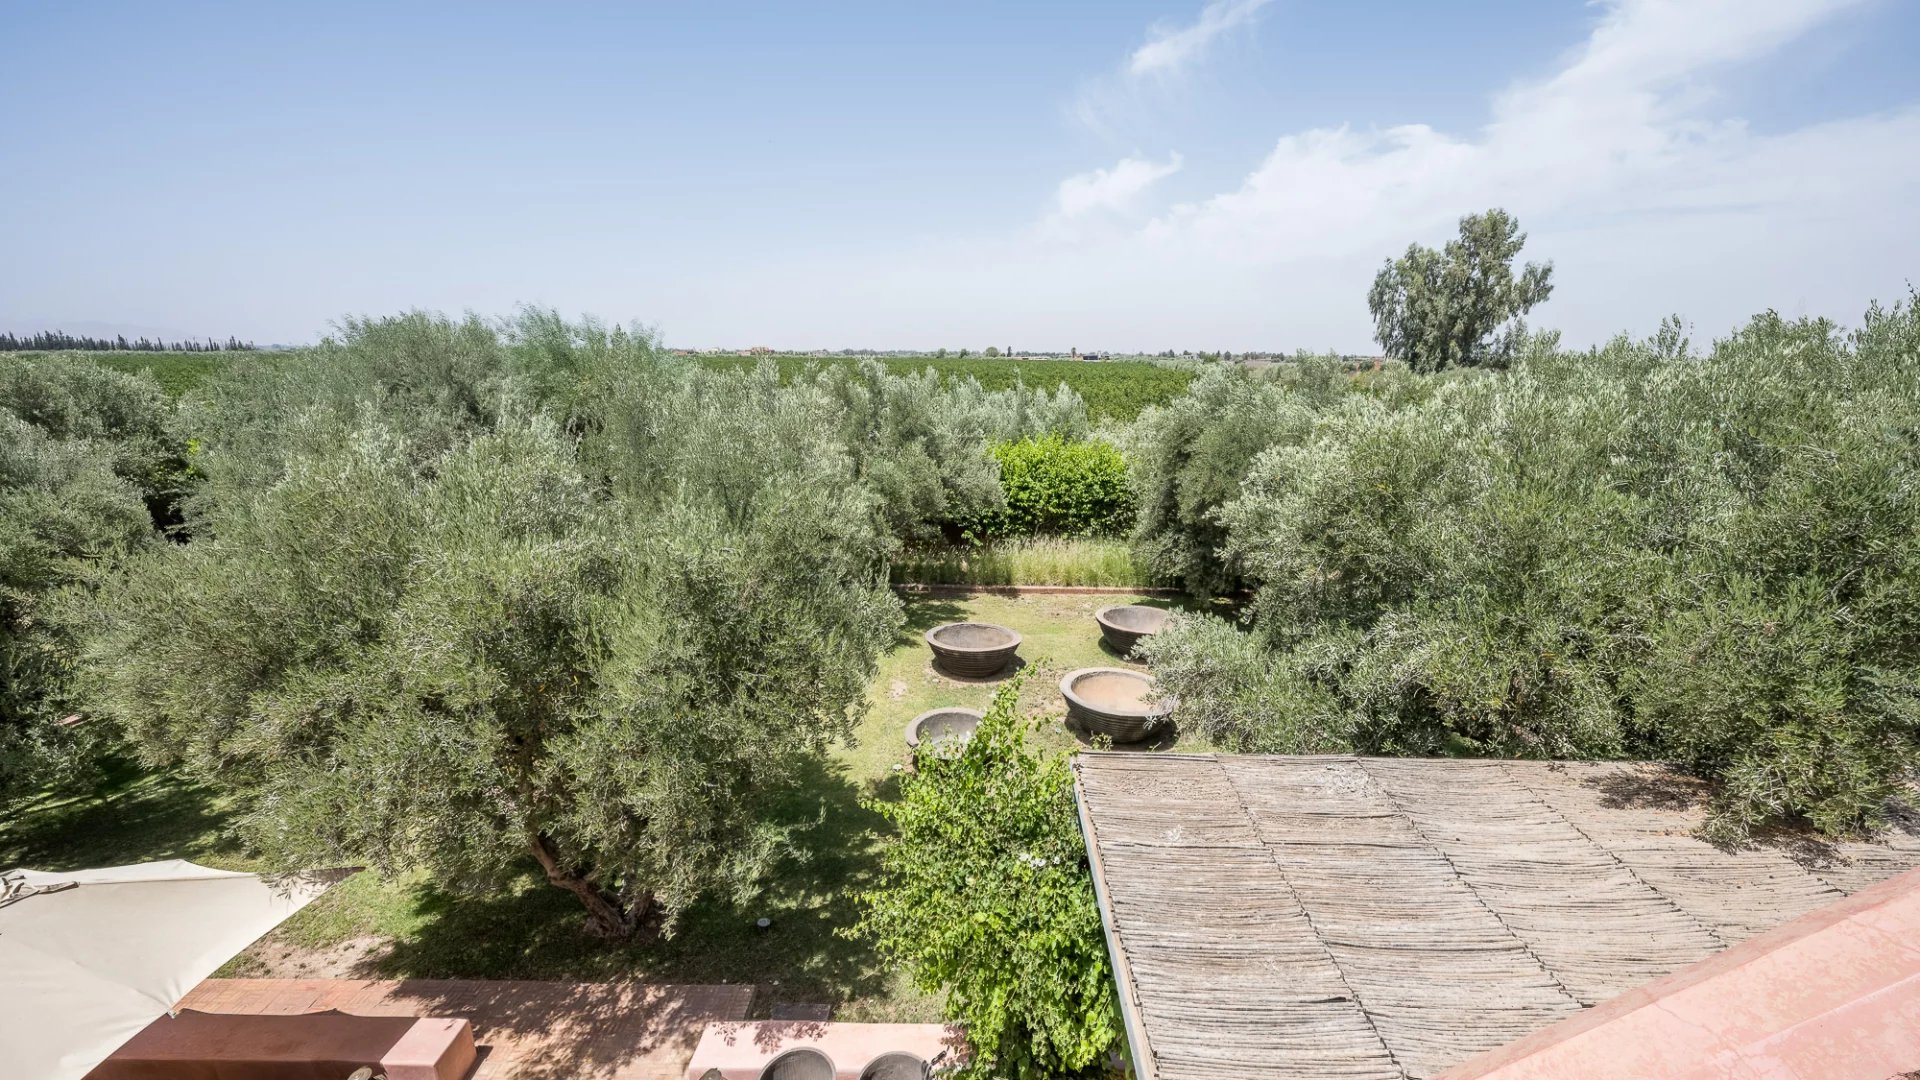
(1833, 995)
(739, 1050)
(311, 1046)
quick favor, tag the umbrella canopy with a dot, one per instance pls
(90, 957)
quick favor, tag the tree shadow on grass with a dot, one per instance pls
(131, 815)
(535, 931)
(926, 611)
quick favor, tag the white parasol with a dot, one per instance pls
(90, 957)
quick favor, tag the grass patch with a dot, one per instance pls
(407, 926)
(1057, 634)
(1112, 389)
(130, 816)
(1032, 561)
(176, 372)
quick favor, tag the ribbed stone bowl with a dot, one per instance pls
(800, 1063)
(1123, 625)
(972, 650)
(942, 725)
(1114, 702)
(898, 1065)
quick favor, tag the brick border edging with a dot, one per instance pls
(1038, 590)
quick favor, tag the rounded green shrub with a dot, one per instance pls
(986, 894)
(1054, 486)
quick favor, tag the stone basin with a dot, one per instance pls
(800, 1063)
(942, 725)
(748, 1050)
(972, 650)
(896, 1066)
(1116, 702)
(1124, 625)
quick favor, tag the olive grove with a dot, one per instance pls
(455, 595)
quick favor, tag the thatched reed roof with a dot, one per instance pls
(1335, 917)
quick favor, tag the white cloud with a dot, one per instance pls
(1169, 49)
(1111, 190)
(1649, 195)
(1618, 166)
(1619, 130)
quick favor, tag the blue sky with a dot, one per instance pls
(1116, 175)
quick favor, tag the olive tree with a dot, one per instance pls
(1187, 458)
(85, 470)
(919, 441)
(64, 515)
(1441, 309)
(70, 398)
(1642, 549)
(439, 380)
(470, 597)
(492, 660)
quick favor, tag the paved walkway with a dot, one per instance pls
(526, 1030)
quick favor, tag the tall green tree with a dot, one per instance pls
(1708, 557)
(63, 516)
(1459, 306)
(494, 661)
(1187, 458)
(471, 601)
(85, 470)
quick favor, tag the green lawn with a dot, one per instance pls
(405, 927)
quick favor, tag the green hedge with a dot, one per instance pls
(1059, 487)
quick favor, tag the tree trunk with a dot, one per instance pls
(607, 916)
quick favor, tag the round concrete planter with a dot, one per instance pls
(1124, 625)
(800, 1063)
(1114, 702)
(972, 650)
(942, 725)
(897, 1065)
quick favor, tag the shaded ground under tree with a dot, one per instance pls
(413, 928)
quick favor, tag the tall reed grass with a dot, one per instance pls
(1033, 561)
